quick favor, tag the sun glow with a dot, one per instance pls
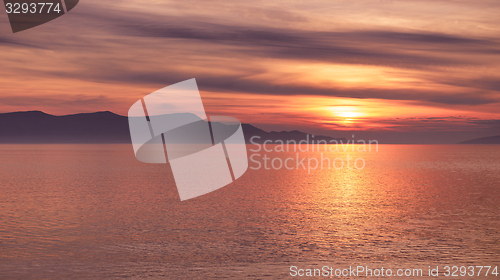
(348, 112)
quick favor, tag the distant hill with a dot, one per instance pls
(39, 127)
(296, 135)
(484, 140)
(100, 127)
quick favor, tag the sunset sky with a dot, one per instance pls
(400, 70)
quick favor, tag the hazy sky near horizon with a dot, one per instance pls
(412, 65)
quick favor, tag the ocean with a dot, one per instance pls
(95, 212)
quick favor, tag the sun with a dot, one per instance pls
(348, 112)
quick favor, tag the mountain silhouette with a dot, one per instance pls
(251, 131)
(39, 127)
(484, 140)
(33, 127)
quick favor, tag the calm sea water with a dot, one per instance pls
(94, 212)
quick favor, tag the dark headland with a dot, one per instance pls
(33, 127)
(484, 140)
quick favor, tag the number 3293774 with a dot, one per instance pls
(32, 8)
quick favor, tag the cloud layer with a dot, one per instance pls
(103, 56)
